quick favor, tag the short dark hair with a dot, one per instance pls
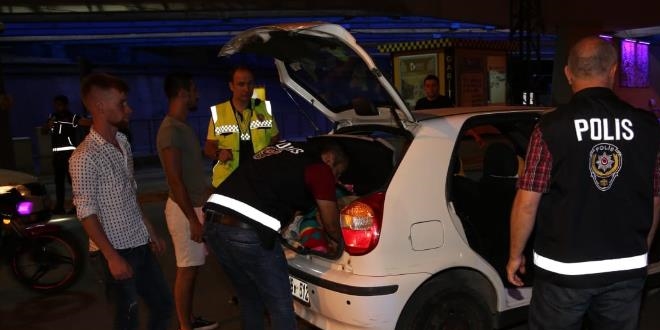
(102, 81)
(241, 67)
(432, 77)
(176, 81)
(591, 57)
(62, 99)
(336, 149)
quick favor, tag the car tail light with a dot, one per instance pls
(361, 222)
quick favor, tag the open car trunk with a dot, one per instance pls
(373, 158)
(323, 65)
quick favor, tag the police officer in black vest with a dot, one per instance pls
(591, 188)
(246, 211)
(62, 126)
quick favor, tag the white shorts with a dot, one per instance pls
(188, 253)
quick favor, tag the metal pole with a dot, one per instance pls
(6, 144)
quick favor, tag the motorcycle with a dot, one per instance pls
(43, 257)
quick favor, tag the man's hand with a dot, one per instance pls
(196, 231)
(513, 267)
(119, 268)
(224, 155)
(48, 126)
(157, 244)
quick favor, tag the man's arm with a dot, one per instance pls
(157, 243)
(211, 144)
(119, 268)
(211, 150)
(171, 158)
(523, 217)
(45, 129)
(656, 216)
(320, 181)
(329, 214)
(656, 201)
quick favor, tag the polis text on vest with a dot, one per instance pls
(604, 129)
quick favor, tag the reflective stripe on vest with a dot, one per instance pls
(268, 108)
(226, 129)
(261, 124)
(245, 210)
(590, 267)
(214, 115)
(222, 129)
(64, 148)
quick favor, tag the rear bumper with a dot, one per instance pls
(344, 288)
(341, 300)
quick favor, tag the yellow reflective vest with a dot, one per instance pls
(225, 129)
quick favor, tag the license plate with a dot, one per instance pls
(299, 289)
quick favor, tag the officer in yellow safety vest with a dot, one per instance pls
(239, 127)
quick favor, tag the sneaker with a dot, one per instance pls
(200, 323)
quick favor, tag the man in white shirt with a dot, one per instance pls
(104, 194)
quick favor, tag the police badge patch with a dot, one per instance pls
(605, 161)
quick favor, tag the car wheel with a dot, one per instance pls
(442, 305)
(48, 262)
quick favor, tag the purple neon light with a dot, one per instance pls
(634, 64)
(24, 208)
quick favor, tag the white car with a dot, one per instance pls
(426, 241)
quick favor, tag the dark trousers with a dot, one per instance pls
(612, 307)
(260, 275)
(147, 282)
(61, 172)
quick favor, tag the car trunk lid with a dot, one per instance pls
(324, 65)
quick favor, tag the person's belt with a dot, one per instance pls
(227, 220)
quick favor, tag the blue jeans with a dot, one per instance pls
(259, 275)
(612, 307)
(147, 282)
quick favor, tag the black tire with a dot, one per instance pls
(443, 305)
(48, 263)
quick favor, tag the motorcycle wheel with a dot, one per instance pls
(48, 263)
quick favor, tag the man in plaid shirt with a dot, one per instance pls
(590, 192)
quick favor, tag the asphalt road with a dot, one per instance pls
(83, 306)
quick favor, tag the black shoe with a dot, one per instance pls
(200, 323)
